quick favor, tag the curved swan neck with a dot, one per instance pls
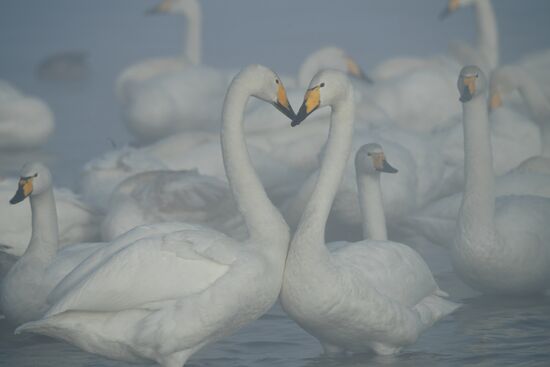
(372, 206)
(478, 204)
(44, 238)
(314, 219)
(487, 32)
(193, 33)
(262, 218)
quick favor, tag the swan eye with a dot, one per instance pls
(322, 85)
(277, 81)
(477, 75)
(35, 175)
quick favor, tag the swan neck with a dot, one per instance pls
(313, 221)
(487, 32)
(372, 206)
(193, 33)
(478, 203)
(44, 238)
(262, 218)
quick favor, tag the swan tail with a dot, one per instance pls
(104, 334)
(433, 308)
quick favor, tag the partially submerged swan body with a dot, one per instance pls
(25, 122)
(501, 246)
(168, 280)
(353, 298)
(172, 196)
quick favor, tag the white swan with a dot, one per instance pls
(77, 221)
(172, 196)
(507, 79)
(191, 56)
(503, 245)
(25, 122)
(24, 289)
(372, 294)
(201, 280)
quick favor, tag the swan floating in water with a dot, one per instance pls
(172, 196)
(369, 295)
(168, 280)
(501, 246)
(25, 122)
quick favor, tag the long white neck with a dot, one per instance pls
(263, 220)
(372, 206)
(310, 234)
(476, 216)
(44, 238)
(487, 32)
(193, 33)
(539, 105)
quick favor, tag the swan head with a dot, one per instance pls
(266, 85)
(370, 158)
(35, 179)
(454, 5)
(325, 89)
(471, 83)
(329, 58)
(188, 8)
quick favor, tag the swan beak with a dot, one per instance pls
(24, 190)
(381, 164)
(495, 101)
(312, 100)
(469, 89)
(282, 103)
(355, 70)
(451, 8)
(161, 8)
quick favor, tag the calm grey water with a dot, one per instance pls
(115, 34)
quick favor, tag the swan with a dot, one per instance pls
(201, 280)
(507, 79)
(486, 50)
(354, 298)
(25, 122)
(501, 246)
(191, 56)
(172, 196)
(77, 221)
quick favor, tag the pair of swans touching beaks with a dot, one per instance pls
(120, 299)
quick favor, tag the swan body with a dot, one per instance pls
(25, 122)
(172, 196)
(168, 280)
(353, 298)
(510, 78)
(77, 221)
(133, 76)
(501, 246)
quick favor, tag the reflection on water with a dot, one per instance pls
(484, 332)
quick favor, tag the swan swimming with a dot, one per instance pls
(25, 122)
(171, 279)
(369, 295)
(501, 246)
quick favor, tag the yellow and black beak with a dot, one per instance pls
(161, 8)
(355, 70)
(469, 88)
(282, 103)
(24, 190)
(312, 101)
(495, 101)
(381, 164)
(452, 6)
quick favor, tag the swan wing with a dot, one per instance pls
(142, 274)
